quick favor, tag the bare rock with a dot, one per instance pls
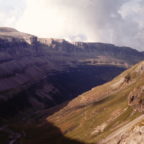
(136, 99)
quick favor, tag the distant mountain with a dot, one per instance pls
(37, 73)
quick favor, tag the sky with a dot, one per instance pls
(119, 22)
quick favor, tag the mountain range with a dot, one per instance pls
(59, 92)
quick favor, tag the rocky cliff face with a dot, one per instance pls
(136, 99)
(27, 64)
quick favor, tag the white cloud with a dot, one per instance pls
(10, 12)
(55, 18)
(112, 21)
(6, 20)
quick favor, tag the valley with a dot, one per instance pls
(61, 86)
(57, 92)
(101, 115)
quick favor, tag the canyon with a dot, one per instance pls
(61, 92)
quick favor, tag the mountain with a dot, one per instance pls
(38, 73)
(47, 94)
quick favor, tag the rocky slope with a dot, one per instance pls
(31, 67)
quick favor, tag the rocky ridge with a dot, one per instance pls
(27, 62)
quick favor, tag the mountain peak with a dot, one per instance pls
(7, 29)
(140, 67)
(13, 35)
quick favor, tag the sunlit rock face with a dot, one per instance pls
(136, 99)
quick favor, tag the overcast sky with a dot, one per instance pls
(120, 22)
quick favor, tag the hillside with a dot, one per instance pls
(107, 114)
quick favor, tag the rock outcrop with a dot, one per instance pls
(136, 99)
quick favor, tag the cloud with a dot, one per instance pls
(112, 21)
(10, 11)
(55, 18)
(132, 13)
